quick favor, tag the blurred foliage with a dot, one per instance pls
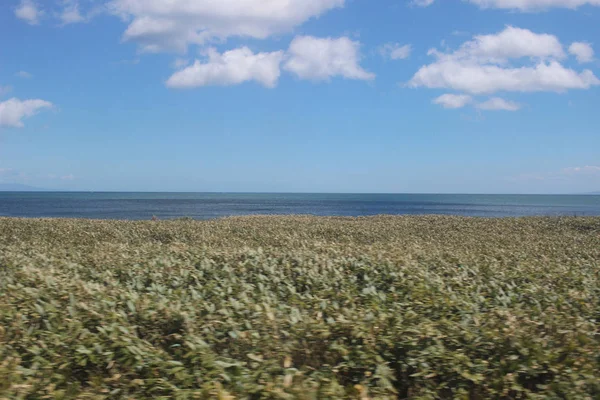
(300, 308)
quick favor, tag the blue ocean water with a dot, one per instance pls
(140, 206)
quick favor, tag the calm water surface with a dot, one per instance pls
(137, 206)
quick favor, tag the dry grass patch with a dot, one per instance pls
(300, 307)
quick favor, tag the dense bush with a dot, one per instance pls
(301, 307)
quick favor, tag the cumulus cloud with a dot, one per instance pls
(307, 57)
(158, 25)
(230, 68)
(497, 103)
(28, 11)
(453, 100)
(485, 79)
(582, 51)
(13, 111)
(395, 51)
(483, 66)
(65, 11)
(71, 13)
(323, 58)
(508, 44)
(533, 5)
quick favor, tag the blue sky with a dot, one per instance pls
(452, 96)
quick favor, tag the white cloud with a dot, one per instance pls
(582, 51)
(482, 66)
(395, 51)
(24, 75)
(423, 3)
(308, 58)
(13, 111)
(497, 103)
(65, 11)
(511, 43)
(533, 5)
(71, 14)
(230, 68)
(453, 100)
(323, 58)
(69, 177)
(159, 25)
(485, 79)
(28, 11)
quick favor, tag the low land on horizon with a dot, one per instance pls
(425, 307)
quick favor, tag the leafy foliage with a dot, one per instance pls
(300, 307)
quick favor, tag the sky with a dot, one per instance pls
(386, 96)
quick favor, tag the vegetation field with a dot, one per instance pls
(301, 308)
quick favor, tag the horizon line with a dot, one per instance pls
(41, 190)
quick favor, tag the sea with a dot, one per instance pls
(143, 206)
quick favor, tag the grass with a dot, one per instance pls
(300, 308)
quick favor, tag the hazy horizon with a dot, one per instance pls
(3, 188)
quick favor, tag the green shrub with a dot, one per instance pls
(300, 307)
